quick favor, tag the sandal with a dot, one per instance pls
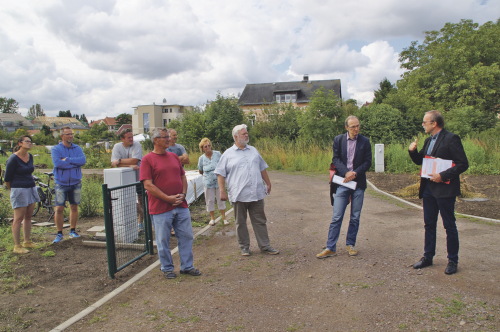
(193, 272)
(212, 222)
(226, 222)
(170, 274)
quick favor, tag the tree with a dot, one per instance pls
(190, 128)
(122, 119)
(467, 120)
(46, 130)
(83, 120)
(9, 105)
(454, 67)
(385, 88)
(277, 121)
(99, 131)
(64, 114)
(323, 118)
(221, 116)
(35, 111)
(383, 124)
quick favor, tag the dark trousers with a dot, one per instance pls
(432, 207)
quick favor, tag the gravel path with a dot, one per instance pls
(294, 291)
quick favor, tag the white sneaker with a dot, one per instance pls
(212, 222)
(226, 222)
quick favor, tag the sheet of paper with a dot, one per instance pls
(433, 166)
(340, 180)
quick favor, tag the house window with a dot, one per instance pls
(294, 98)
(170, 110)
(164, 122)
(252, 118)
(278, 99)
(169, 120)
(145, 122)
(287, 98)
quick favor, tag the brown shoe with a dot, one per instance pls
(20, 250)
(351, 251)
(29, 244)
(326, 253)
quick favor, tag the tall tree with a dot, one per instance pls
(323, 118)
(221, 116)
(84, 121)
(385, 88)
(45, 130)
(35, 111)
(64, 114)
(122, 119)
(9, 105)
(455, 67)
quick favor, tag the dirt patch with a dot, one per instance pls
(486, 186)
(46, 291)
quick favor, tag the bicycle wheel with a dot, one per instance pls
(39, 204)
(50, 201)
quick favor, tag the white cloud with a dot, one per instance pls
(102, 57)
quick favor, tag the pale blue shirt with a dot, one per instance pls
(242, 170)
(207, 166)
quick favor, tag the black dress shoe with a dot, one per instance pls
(424, 262)
(451, 268)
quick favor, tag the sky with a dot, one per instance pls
(103, 57)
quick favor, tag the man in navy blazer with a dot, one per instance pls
(438, 196)
(352, 157)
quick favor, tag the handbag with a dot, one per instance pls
(333, 186)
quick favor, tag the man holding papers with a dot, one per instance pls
(352, 157)
(439, 186)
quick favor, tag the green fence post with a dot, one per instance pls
(147, 222)
(110, 236)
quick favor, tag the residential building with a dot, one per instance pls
(122, 128)
(110, 122)
(77, 129)
(10, 122)
(54, 121)
(299, 93)
(155, 116)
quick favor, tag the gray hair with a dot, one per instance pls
(156, 132)
(350, 117)
(436, 117)
(237, 129)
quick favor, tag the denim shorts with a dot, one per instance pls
(22, 197)
(72, 193)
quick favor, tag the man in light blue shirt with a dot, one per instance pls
(244, 169)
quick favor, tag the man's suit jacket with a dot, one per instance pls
(448, 146)
(362, 158)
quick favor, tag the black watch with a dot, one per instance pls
(184, 194)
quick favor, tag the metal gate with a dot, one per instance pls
(126, 241)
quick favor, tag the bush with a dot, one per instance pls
(91, 202)
(5, 207)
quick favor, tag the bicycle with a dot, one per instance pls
(47, 200)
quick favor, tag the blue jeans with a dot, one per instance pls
(339, 206)
(72, 193)
(432, 207)
(180, 219)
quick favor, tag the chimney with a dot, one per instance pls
(306, 78)
(164, 100)
(153, 102)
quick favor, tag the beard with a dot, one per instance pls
(243, 141)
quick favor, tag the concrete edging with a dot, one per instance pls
(82, 314)
(421, 208)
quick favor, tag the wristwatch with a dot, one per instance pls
(120, 161)
(183, 194)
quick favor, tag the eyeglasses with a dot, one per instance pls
(353, 127)
(68, 134)
(164, 137)
(30, 142)
(424, 122)
(206, 146)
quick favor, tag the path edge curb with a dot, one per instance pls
(421, 208)
(82, 314)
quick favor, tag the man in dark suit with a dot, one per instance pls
(438, 196)
(352, 157)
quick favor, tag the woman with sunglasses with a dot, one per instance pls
(23, 194)
(206, 165)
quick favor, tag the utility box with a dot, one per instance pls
(379, 158)
(123, 203)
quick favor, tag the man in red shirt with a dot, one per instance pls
(166, 184)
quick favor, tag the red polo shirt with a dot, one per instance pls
(165, 170)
